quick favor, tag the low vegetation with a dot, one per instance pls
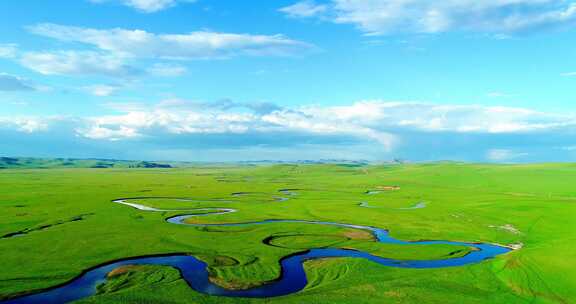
(528, 206)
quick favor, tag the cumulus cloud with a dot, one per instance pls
(440, 118)
(387, 125)
(26, 124)
(377, 17)
(146, 6)
(409, 129)
(107, 133)
(369, 119)
(194, 45)
(14, 83)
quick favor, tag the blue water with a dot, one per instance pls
(292, 279)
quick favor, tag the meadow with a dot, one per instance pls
(57, 222)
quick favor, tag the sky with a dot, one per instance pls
(229, 80)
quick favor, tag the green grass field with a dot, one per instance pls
(70, 224)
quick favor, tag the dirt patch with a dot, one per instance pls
(516, 246)
(356, 234)
(388, 188)
(122, 270)
(508, 228)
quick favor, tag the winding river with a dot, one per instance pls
(291, 280)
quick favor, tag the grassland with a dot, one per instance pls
(70, 224)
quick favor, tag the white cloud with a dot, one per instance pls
(194, 45)
(444, 118)
(146, 6)
(382, 127)
(150, 6)
(117, 52)
(375, 121)
(377, 17)
(26, 124)
(226, 117)
(498, 94)
(8, 50)
(569, 74)
(76, 63)
(122, 132)
(501, 155)
(567, 148)
(304, 9)
(167, 70)
(14, 83)
(102, 90)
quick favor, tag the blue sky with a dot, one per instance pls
(226, 80)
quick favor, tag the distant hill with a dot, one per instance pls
(46, 163)
(38, 163)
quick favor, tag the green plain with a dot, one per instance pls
(70, 224)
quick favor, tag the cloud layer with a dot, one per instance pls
(121, 52)
(369, 129)
(146, 6)
(14, 83)
(8, 50)
(194, 45)
(377, 17)
(77, 63)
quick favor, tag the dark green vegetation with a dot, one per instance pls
(70, 224)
